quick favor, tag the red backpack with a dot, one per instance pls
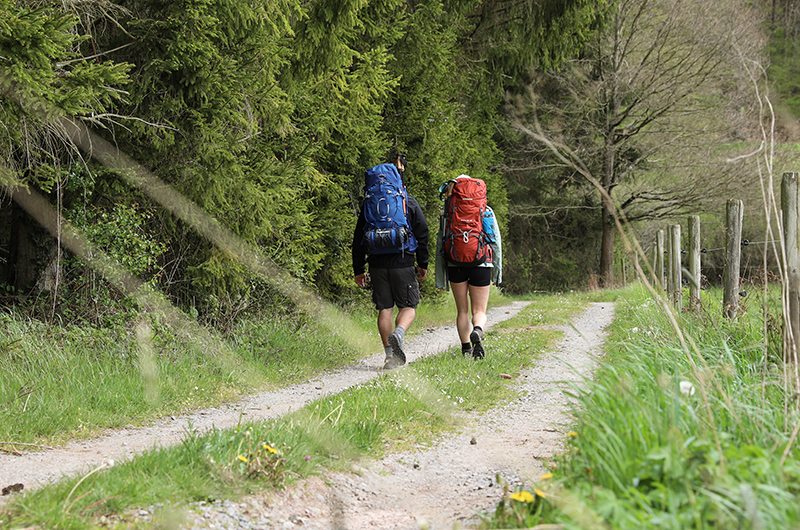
(465, 241)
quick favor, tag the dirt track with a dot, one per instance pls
(436, 487)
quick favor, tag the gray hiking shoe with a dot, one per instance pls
(392, 363)
(397, 349)
(476, 338)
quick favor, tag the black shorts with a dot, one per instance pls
(394, 287)
(476, 276)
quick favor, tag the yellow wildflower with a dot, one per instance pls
(546, 476)
(243, 458)
(572, 433)
(522, 496)
(270, 449)
(539, 493)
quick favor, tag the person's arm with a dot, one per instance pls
(440, 269)
(419, 226)
(497, 254)
(358, 252)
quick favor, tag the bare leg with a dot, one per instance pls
(405, 317)
(460, 295)
(479, 298)
(385, 325)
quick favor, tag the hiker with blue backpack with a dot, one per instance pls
(391, 234)
(468, 257)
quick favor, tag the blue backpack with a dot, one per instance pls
(387, 230)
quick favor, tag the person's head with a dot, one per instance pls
(400, 162)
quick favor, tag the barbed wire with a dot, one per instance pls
(745, 242)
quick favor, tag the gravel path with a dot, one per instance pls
(431, 488)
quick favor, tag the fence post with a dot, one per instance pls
(658, 260)
(789, 207)
(733, 258)
(674, 281)
(694, 258)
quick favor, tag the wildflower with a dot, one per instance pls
(243, 458)
(270, 449)
(522, 496)
(308, 457)
(546, 476)
(687, 388)
(539, 493)
(572, 434)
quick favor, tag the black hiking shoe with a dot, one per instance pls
(477, 346)
(398, 355)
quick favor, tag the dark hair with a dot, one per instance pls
(402, 158)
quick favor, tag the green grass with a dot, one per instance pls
(646, 455)
(399, 408)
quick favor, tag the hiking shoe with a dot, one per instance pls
(477, 346)
(392, 363)
(397, 349)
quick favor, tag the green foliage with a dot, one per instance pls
(659, 443)
(784, 68)
(265, 115)
(42, 79)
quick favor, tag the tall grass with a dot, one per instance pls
(58, 383)
(667, 440)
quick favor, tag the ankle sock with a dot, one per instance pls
(387, 350)
(399, 332)
(465, 347)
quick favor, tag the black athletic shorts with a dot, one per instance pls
(476, 276)
(394, 287)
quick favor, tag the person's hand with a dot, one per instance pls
(361, 280)
(421, 273)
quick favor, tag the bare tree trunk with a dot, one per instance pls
(607, 248)
(609, 227)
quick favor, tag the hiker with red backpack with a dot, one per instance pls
(468, 257)
(391, 234)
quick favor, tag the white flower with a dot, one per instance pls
(687, 388)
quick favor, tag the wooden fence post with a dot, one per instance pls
(694, 258)
(658, 260)
(789, 207)
(733, 258)
(674, 281)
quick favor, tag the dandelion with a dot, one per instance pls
(243, 458)
(546, 476)
(522, 496)
(687, 388)
(572, 434)
(539, 493)
(270, 449)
